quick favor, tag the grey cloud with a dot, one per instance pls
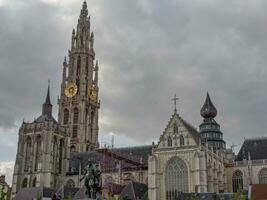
(148, 50)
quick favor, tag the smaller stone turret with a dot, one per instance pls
(209, 129)
(47, 109)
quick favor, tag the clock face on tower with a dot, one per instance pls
(92, 93)
(71, 90)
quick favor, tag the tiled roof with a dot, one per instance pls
(131, 158)
(255, 148)
(259, 191)
(65, 191)
(45, 118)
(134, 191)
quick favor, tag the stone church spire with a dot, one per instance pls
(47, 106)
(78, 102)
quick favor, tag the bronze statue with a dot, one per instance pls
(93, 180)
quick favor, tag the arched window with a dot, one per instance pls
(175, 128)
(169, 141)
(24, 183)
(78, 66)
(70, 183)
(237, 180)
(87, 66)
(92, 118)
(38, 153)
(66, 116)
(34, 182)
(61, 145)
(75, 115)
(181, 140)
(75, 122)
(28, 154)
(263, 176)
(72, 148)
(78, 85)
(176, 179)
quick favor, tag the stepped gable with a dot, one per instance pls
(256, 148)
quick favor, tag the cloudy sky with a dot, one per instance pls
(148, 50)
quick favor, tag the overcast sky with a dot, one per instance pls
(148, 50)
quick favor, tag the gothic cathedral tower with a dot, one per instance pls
(78, 102)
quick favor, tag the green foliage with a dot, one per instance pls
(215, 197)
(39, 197)
(239, 195)
(2, 193)
(69, 197)
(191, 197)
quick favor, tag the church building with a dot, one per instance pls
(181, 162)
(53, 153)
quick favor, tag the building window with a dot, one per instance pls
(38, 153)
(72, 148)
(176, 178)
(237, 180)
(175, 128)
(61, 151)
(78, 66)
(263, 176)
(70, 183)
(181, 140)
(66, 116)
(74, 131)
(24, 183)
(28, 154)
(75, 122)
(34, 182)
(169, 141)
(87, 66)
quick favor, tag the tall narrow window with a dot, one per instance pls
(263, 176)
(181, 140)
(28, 154)
(75, 122)
(176, 178)
(78, 85)
(87, 66)
(237, 180)
(24, 183)
(34, 182)
(169, 141)
(78, 66)
(70, 184)
(175, 128)
(66, 116)
(38, 153)
(61, 145)
(92, 118)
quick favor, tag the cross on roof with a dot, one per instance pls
(175, 100)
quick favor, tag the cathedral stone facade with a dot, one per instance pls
(45, 144)
(52, 153)
(181, 163)
(42, 153)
